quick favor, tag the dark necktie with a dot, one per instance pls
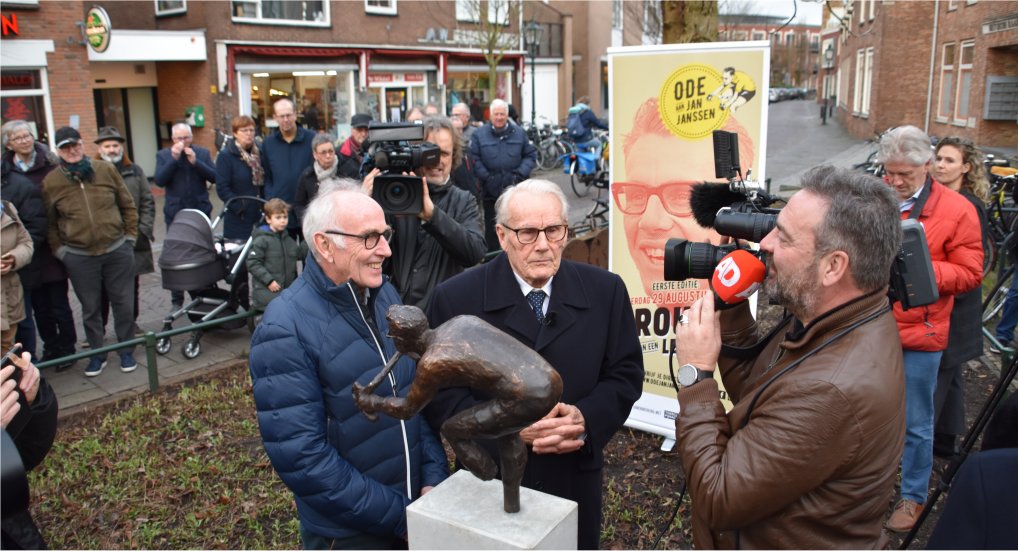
(536, 300)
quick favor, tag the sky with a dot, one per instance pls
(809, 12)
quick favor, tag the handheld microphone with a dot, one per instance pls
(737, 276)
(549, 319)
(705, 200)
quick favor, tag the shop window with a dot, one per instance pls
(946, 103)
(22, 97)
(170, 7)
(380, 7)
(280, 12)
(468, 10)
(867, 82)
(961, 106)
(860, 60)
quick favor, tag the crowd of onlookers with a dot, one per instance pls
(852, 386)
(89, 213)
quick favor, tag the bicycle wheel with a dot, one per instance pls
(541, 158)
(547, 155)
(580, 187)
(995, 301)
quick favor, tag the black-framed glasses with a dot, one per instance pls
(370, 238)
(527, 236)
(633, 197)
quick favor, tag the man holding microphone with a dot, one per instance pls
(807, 457)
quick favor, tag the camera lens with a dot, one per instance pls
(397, 195)
(687, 260)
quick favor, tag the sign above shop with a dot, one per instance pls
(97, 29)
(9, 24)
(385, 78)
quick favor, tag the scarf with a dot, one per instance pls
(253, 160)
(78, 172)
(323, 173)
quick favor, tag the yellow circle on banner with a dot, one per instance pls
(684, 106)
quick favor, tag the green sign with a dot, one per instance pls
(97, 29)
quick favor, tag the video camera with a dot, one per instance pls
(395, 148)
(741, 210)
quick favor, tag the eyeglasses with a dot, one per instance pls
(632, 197)
(370, 238)
(22, 138)
(246, 130)
(326, 152)
(182, 138)
(527, 236)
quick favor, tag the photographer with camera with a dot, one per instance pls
(956, 250)
(806, 457)
(446, 236)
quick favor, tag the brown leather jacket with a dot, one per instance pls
(815, 466)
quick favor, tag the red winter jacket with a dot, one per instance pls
(953, 235)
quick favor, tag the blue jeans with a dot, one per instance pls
(1008, 315)
(917, 461)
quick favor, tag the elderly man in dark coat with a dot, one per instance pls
(579, 318)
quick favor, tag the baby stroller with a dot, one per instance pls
(195, 260)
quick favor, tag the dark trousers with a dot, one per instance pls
(949, 400)
(114, 273)
(26, 328)
(53, 319)
(104, 302)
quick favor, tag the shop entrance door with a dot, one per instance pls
(395, 104)
(133, 112)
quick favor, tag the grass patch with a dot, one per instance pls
(180, 468)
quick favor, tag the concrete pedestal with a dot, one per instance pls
(465, 512)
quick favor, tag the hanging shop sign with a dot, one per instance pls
(97, 29)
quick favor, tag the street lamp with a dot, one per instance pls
(532, 40)
(829, 55)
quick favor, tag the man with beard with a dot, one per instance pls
(446, 237)
(111, 150)
(808, 455)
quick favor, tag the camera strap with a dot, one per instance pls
(920, 202)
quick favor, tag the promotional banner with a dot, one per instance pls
(666, 101)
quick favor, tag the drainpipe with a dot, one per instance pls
(933, 61)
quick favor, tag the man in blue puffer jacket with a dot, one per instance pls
(502, 156)
(352, 479)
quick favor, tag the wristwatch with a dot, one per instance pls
(689, 375)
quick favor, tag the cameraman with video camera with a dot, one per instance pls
(807, 456)
(446, 236)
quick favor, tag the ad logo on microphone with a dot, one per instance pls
(728, 272)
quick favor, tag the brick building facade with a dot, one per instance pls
(225, 58)
(928, 64)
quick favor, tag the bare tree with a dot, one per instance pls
(492, 27)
